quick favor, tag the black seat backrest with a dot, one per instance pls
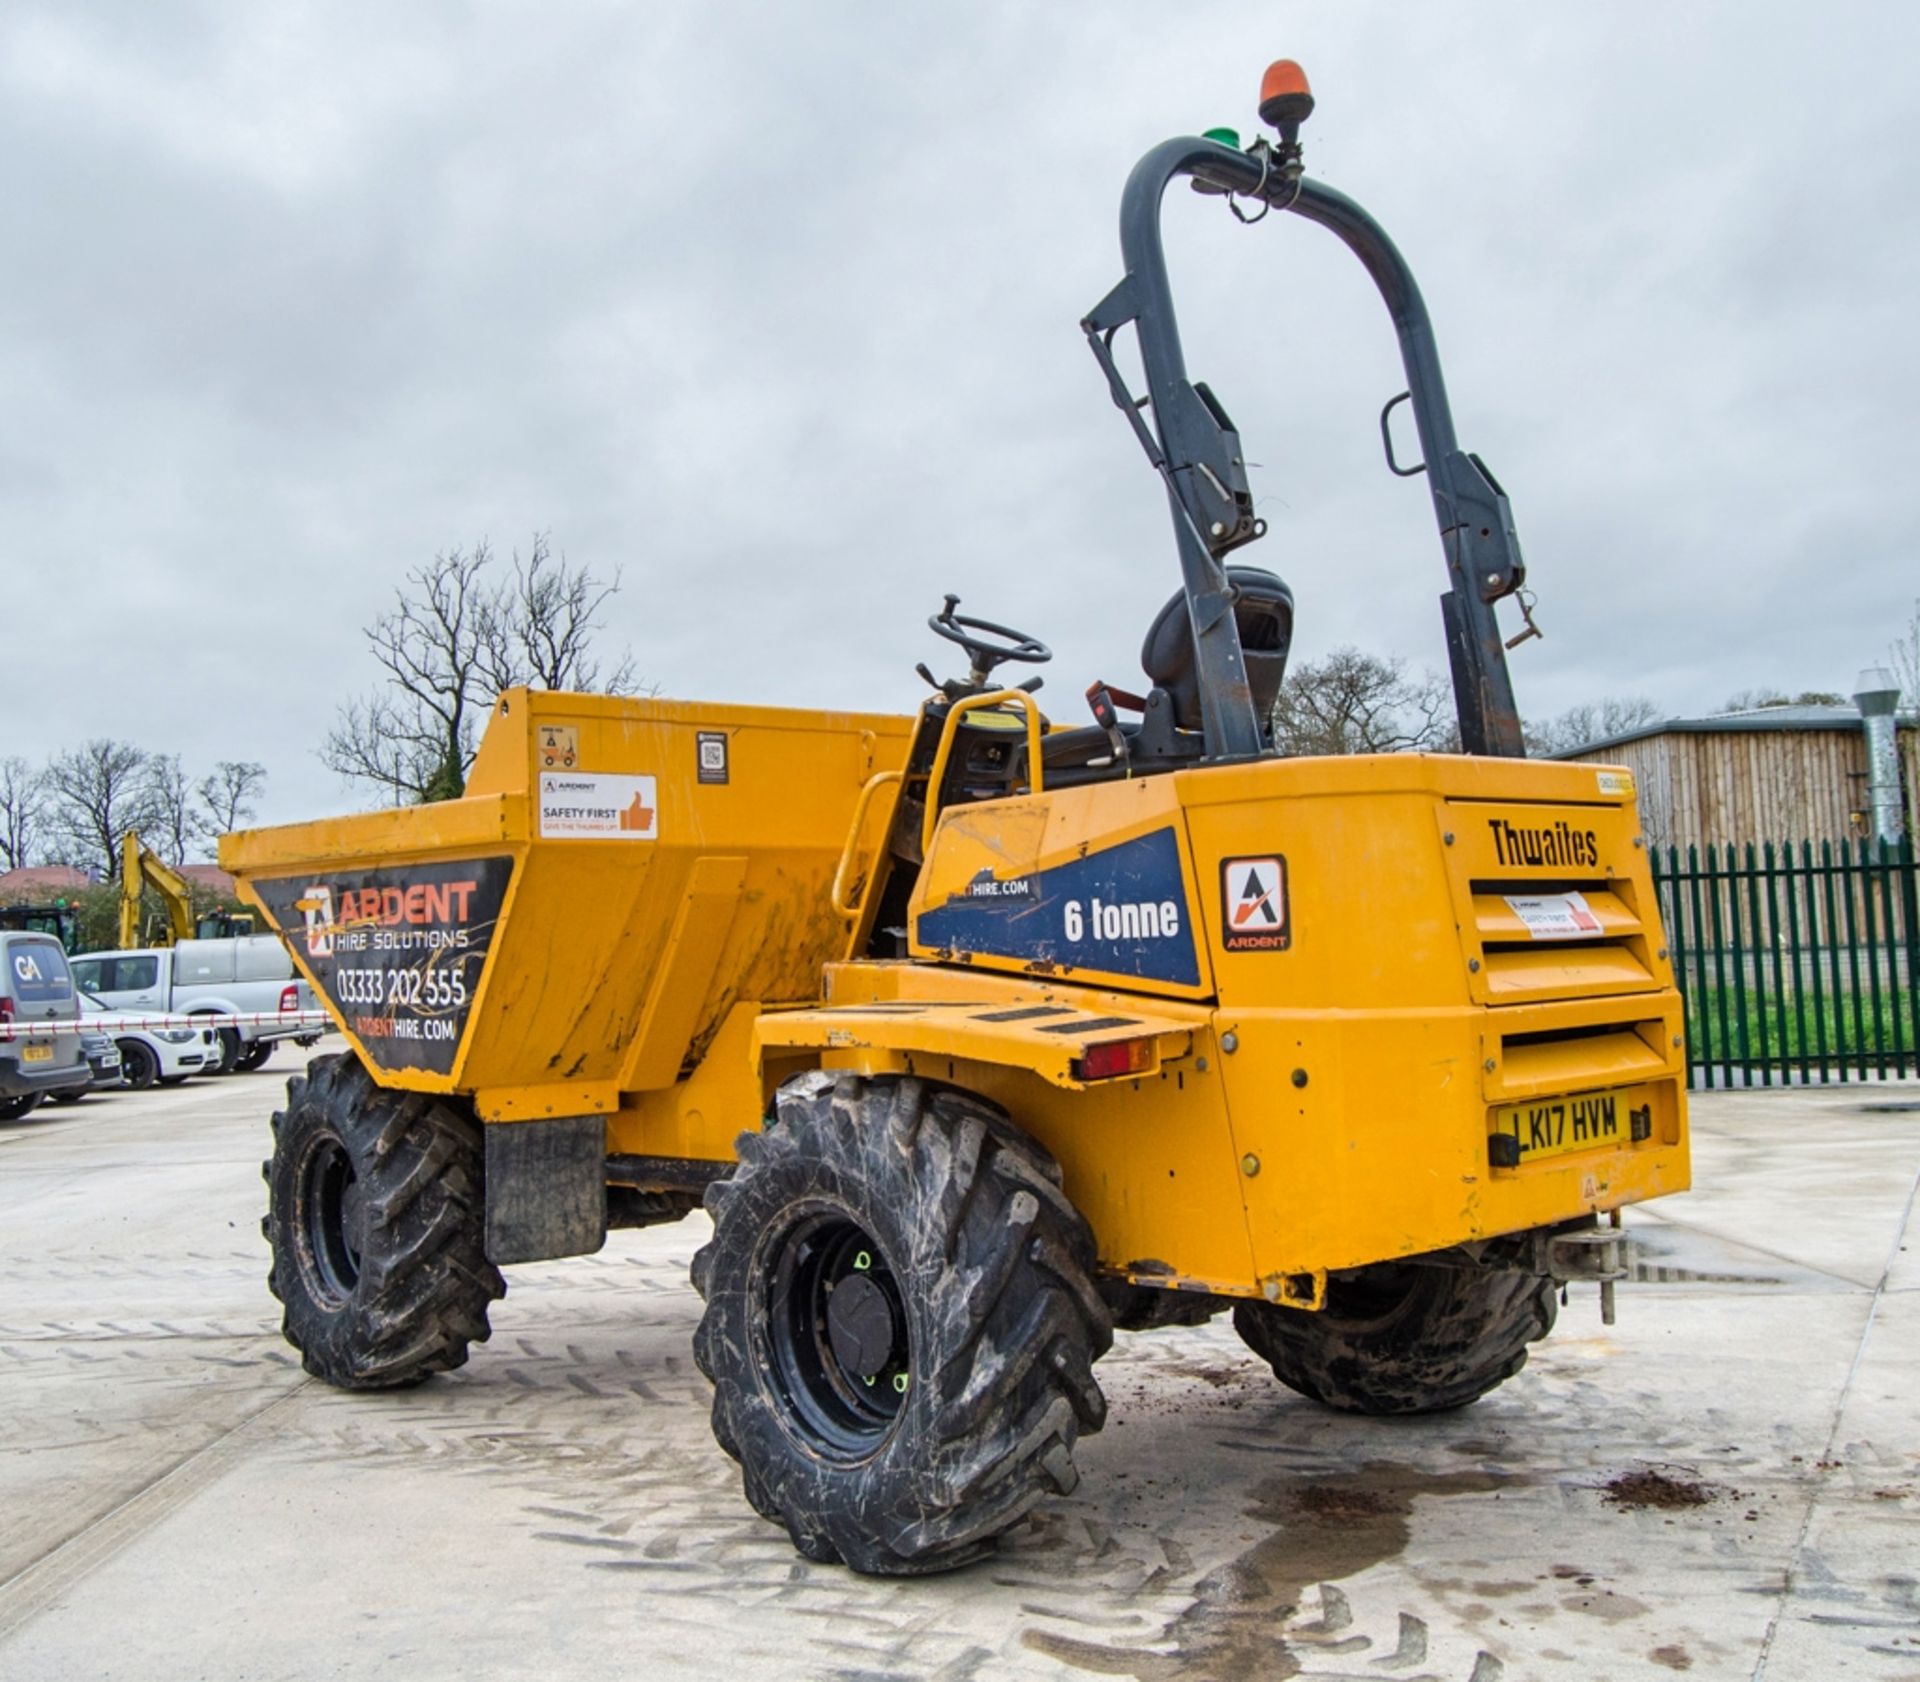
(1264, 613)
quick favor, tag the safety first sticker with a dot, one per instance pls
(1253, 905)
(578, 806)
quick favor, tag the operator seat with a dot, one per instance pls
(1170, 731)
(1264, 612)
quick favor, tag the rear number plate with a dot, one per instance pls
(1556, 1126)
(36, 1054)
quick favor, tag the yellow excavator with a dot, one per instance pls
(142, 868)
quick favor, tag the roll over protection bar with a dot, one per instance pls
(1197, 453)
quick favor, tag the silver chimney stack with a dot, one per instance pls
(1877, 696)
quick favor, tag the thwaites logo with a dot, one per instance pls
(1557, 845)
(1254, 916)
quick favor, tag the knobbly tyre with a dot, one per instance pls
(979, 1034)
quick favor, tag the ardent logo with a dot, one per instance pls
(1253, 904)
(316, 910)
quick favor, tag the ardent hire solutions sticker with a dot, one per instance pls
(399, 953)
(583, 806)
(1615, 782)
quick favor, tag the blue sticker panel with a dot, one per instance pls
(1122, 911)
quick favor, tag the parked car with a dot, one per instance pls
(165, 1053)
(103, 1062)
(36, 988)
(245, 975)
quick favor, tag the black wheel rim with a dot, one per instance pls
(837, 1334)
(137, 1065)
(331, 1218)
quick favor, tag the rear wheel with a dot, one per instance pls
(901, 1323)
(139, 1067)
(14, 1109)
(254, 1055)
(375, 1216)
(1403, 1337)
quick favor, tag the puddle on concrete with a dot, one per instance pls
(1662, 1254)
(1320, 1531)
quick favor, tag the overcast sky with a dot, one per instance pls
(774, 308)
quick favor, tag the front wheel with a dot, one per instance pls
(901, 1323)
(228, 1042)
(1403, 1337)
(139, 1066)
(375, 1217)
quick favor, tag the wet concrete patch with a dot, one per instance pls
(1241, 1624)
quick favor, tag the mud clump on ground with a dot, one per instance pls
(1331, 1501)
(1649, 1488)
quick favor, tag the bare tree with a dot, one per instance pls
(97, 793)
(23, 811)
(227, 797)
(1904, 652)
(1591, 721)
(451, 643)
(1353, 702)
(414, 736)
(173, 823)
(538, 627)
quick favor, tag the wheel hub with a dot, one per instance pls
(837, 1336)
(860, 1326)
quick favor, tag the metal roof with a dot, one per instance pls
(1790, 716)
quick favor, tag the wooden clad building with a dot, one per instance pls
(1772, 774)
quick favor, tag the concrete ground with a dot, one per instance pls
(177, 1500)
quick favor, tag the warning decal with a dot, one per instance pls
(1253, 905)
(1555, 916)
(559, 747)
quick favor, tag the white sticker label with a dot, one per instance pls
(1555, 916)
(577, 806)
(1615, 782)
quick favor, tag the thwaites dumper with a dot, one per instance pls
(980, 1034)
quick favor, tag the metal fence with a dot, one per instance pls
(1799, 962)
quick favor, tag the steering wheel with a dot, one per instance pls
(985, 654)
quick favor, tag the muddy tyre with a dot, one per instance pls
(375, 1216)
(901, 1323)
(1403, 1337)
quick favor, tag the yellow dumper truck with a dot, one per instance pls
(980, 1033)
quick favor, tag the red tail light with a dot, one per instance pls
(1114, 1057)
(6, 1009)
(290, 998)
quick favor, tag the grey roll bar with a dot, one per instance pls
(1197, 453)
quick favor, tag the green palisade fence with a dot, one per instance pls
(1798, 961)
